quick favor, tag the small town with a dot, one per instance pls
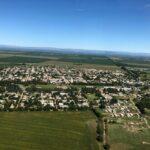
(114, 96)
(74, 75)
(54, 88)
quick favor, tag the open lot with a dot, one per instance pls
(47, 130)
(122, 139)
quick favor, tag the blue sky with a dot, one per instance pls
(122, 25)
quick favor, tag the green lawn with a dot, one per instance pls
(47, 131)
(122, 139)
(46, 86)
(91, 97)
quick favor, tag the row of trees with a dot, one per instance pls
(10, 88)
(102, 128)
(37, 106)
(144, 103)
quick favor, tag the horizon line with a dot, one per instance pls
(58, 48)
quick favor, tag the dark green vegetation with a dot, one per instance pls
(139, 62)
(100, 60)
(122, 139)
(144, 103)
(47, 130)
(102, 128)
(145, 75)
(51, 58)
(20, 59)
(77, 60)
(54, 57)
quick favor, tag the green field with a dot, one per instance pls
(52, 58)
(72, 60)
(46, 86)
(91, 97)
(47, 131)
(122, 139)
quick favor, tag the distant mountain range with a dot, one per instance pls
(73, 51)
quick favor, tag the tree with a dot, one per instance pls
(2, 89)
(47, 107)
(99, 131)
(113, 101)
(98, 113)
(72, 106)
(102, 103)
(144, 103)
(106, 146)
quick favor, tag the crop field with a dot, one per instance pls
(47, 130)
(122, 139)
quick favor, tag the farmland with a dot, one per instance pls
(47, 130)
(73, 60)
(52, 58)
(120, 138)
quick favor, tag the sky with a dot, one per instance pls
(117, 25)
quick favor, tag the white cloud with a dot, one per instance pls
(147, 6)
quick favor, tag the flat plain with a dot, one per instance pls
(47, 130)
(45, 58)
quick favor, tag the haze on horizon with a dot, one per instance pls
(82, 24)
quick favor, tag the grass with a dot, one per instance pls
(47, 130)
(46, 86)
(122, 139)
(78, 86)
(91, 97)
